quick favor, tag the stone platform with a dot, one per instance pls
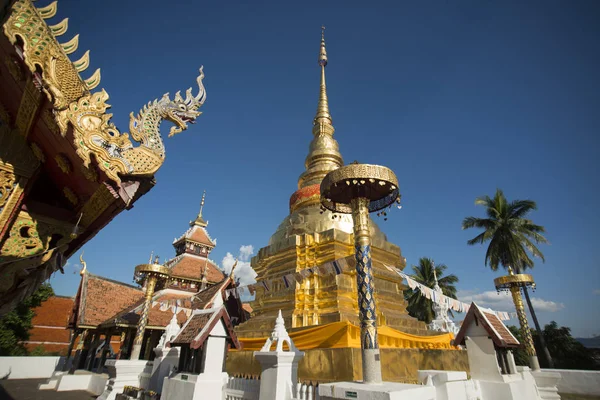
(345, 364)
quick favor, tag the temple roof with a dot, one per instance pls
(192, 267)
(498, 332)
(91, 303)
(51, 319)
(198, 327)
(197, 234)
(157, 317)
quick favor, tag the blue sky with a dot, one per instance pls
(458, 98)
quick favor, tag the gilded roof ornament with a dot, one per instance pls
(84, 62)
(93, 80)
(71, 46)
(83, 265)
(324, 155)
(60, 28)
(49, 11)
(95, 134)
(199, 219)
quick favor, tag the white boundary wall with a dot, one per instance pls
(28, 367)
(574, 381)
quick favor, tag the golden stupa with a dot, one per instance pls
(309, 237)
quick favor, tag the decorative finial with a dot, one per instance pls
(156, 259)
(279, 335)
(233, 269)
(151, 257)
(323, 52)
(324, 154)
(323, 115)
(510, 270)
(202, 204)
(83, 265)
(199, 220)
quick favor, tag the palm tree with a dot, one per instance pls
(419, 306)
(511, 236)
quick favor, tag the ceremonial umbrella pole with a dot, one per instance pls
(359, 189)
(151, 273)
(514, 283)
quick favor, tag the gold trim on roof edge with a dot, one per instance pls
(74, 105)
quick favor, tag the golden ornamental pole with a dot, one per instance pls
(141, 328)
(151, 273)
(359, 189)
(364, 284)
(513, 283)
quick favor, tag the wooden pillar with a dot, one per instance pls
(79, 352)
(74, 335)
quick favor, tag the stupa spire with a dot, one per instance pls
(324, 155)
(199, 220)
(323, 115)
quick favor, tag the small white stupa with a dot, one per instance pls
(441, 322)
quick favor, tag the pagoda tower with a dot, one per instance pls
(191, 267)
(309, 237)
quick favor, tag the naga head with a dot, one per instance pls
(180, 111)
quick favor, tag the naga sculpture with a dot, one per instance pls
(114, 152)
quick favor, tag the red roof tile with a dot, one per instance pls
(103, 298)
(497, 331)
(53, 312)
(156, 317)
(199, 235)
(199, 326)
(193, 328)
(39, 334)
(192, 267)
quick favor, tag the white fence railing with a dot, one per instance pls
(242, 389)
(307, 391)
(249, 389)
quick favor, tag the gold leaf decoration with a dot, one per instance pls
(72, 197)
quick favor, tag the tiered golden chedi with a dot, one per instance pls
(321, 311)
(308, 238)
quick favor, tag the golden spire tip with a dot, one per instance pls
(202, 204)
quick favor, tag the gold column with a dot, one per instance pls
(139, 337)
(525, 331)
(514, 283)
(364, 282)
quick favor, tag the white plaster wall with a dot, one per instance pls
(578, 381)
(176, 388)
(215, 350)
(93, 383)
(28, 367)
(482, 359)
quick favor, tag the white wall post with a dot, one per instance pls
(279, 376)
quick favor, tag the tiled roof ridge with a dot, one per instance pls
(61, 296)
(484, 315)
(199, 257)
(114, 281)
(173, 260)
(190, 230)
(492, 314)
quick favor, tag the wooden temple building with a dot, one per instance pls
(106, 311)
(65, 170)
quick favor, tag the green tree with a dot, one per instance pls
(15, 326)
(567, 352)
(419, 306)
(511, 238)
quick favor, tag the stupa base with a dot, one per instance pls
(345, 364)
